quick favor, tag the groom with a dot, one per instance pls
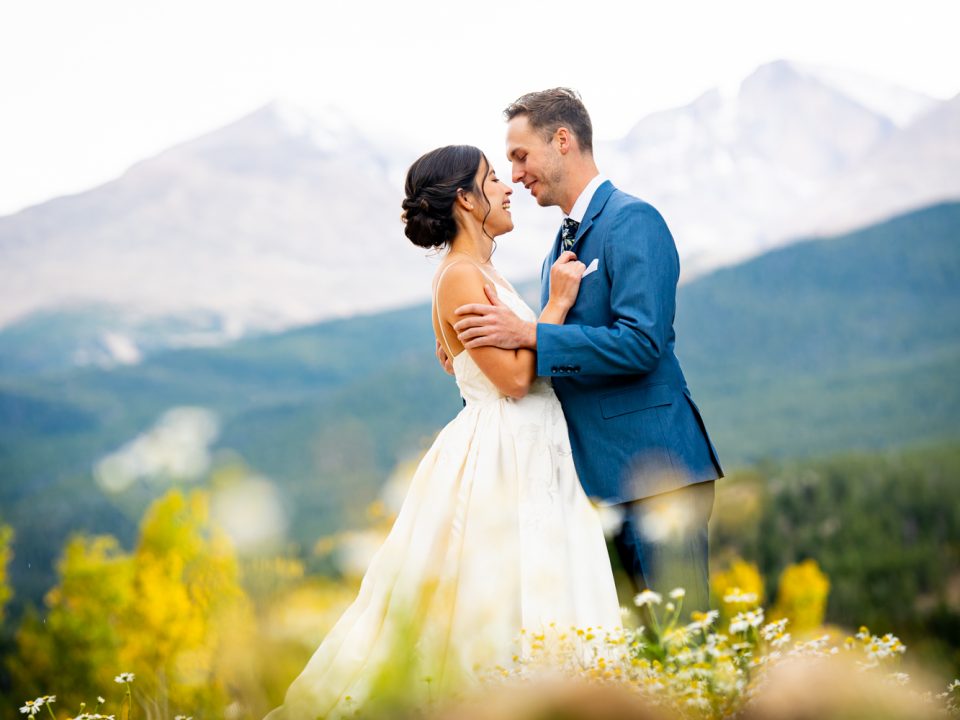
(638, 439)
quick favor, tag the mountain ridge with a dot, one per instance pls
(278, 220)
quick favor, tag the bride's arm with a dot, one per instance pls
(482, 324)
(511, 371)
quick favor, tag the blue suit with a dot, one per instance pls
(634, 428)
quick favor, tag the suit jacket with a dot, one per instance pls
(634, 428)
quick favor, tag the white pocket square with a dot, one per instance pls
(594, 264)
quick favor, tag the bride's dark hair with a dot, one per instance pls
(433, 182)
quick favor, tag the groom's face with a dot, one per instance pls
(534, 161)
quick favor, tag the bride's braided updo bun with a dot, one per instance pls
(431, 188)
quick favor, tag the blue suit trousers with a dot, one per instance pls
(663, 543)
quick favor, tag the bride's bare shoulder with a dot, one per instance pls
(458, 277)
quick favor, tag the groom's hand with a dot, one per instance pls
(494, 324)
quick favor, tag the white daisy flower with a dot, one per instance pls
(744, 620)
(774, 629)
(782, 640)
(647, 597)
(124, 677)
(31, 707)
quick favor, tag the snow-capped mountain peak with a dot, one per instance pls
(736, 174)
(900, 105)
(326, 127)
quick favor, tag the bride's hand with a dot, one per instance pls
(445, 362)
(565, 280)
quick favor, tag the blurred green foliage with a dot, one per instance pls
(6, 554)
(829, 345)
(884, 527)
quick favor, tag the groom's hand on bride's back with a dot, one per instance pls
(493, 325)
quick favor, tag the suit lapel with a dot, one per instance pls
(597, 202)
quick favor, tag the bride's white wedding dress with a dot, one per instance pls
(495, 536)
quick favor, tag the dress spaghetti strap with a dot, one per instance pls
(436, 306)
(436, 297)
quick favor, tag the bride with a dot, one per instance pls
(495, 541)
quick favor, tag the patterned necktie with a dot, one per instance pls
(568, 232)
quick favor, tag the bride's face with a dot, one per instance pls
(499, 221)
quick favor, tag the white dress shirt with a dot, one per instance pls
(579, 208)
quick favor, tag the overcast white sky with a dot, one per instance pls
(88, 88)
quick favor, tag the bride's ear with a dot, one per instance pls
(463, 201)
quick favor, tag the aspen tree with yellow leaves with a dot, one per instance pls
(76, 637)
(802, 596)
(188, 605)
(173, 613)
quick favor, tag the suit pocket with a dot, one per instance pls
(635, 399)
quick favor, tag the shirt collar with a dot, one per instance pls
(579, 208)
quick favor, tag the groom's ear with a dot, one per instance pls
(564, 139)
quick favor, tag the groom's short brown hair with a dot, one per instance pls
(547, 110)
